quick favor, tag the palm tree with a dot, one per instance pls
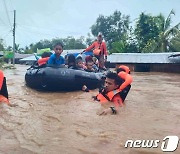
(175, 43)
(168, 37)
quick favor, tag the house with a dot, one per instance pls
(145, 62)
(29, 60)
(18, 56)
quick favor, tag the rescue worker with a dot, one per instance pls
(99, 51)
(126, 85)
(3, 90)
(126, 68)
(116, 88)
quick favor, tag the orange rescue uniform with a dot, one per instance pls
(114, 96)
(3, 99)
(97, 45)
(126, 68)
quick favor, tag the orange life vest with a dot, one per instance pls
(127, 80)
(110, 95)
(96, 52)
(4, 100)
(99, 48)
(126, 68)
(104, 98)
(1, 78)
(42, 61)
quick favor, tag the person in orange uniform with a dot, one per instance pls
(3, 90)
(126, 68)
(115, 90)
(99, 50)
(126, 85)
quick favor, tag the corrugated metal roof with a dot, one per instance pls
(30, 58)
(65, 52)
(144, 57)
(19, 55)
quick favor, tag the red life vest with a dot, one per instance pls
(42, 61)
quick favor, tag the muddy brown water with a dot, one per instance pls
(44, 122)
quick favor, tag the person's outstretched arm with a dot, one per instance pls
(89, 48)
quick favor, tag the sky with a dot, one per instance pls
(46, 19)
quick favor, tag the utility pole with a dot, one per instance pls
(14, 27)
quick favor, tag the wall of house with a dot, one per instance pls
(169, 67)
(172, 67)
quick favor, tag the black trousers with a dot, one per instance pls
(4, 90)
(124, 93)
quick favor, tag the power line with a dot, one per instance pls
(37, 28)
(28, 36)
(7, 13)
(2, 22)
(3, 37)
(36, 31)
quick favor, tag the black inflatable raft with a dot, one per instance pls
(61, 79)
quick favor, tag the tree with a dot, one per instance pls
(147, 28)
(175, 43)
(125, 46)
(118, 47)
(72, 43)
(1, 45)
(9, 48)
(154, 34)
(89, 39)
(68, 43)
(114, 27)
(168, 35)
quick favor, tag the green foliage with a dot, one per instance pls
(151, 34)
(41, 51)
(114, 27)
(175, 43)
(72, 43)
(118, 47)
(68, 43)
(154, 33)
(28, 51)
(123, 47)
(9, 48)
(89, 39)
(147, 28)
(1, 45)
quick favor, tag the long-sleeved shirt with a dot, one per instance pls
(127, 79)
(97, 45)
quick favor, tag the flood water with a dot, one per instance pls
(60, 123)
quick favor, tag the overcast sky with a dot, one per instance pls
(47, 19)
